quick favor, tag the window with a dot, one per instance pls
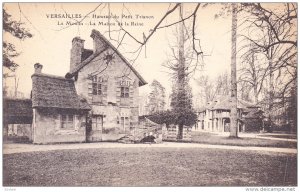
(124, 92)
(97, 122)
(122, 122)
(66, 121)
(97, 89)
(97, 86)
(125, 123)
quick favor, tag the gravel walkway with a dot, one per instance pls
(23, 148)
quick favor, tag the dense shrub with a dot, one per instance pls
(168, 117)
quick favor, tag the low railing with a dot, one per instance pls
(146, 128)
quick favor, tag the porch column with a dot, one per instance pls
(223, 125)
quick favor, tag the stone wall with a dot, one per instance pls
(46, 128)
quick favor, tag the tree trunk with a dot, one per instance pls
(271, 88)
(182, 103)
(180, 131)
(254, 77)
(255, 95)
(233, 111)
(181, 67)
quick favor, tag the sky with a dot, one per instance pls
(52, 38)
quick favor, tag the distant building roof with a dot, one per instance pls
(225, 103)
(88, 56)
(55, 92)
(201, 109)
(17, 111)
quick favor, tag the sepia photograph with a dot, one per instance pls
(137, 94)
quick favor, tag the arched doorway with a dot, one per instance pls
(226, 125)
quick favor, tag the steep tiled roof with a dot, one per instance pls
(201, 109)
(55, 92)
(225, 103)
(93, 55)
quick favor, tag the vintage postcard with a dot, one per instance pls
(150, 95)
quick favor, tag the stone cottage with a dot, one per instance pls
(97, 100)
(59, 114)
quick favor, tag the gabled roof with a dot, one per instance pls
(201, 109)
(94, 55)
(225, 103)
(51, 91)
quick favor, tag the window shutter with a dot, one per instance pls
(131, 92)
(118, 93)
(90, 90)
(104, 92)
(105, 88)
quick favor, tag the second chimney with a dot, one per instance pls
(38, 68)
(76, 52)
(99, 44)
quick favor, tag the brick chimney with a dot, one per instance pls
(38, 68)
(76, 52)
(98, 41)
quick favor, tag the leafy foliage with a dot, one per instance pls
(181, 99)
(168, 117)
(17, 30)
(182, 108)
(156, 97)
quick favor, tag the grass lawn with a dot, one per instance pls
(280, 136)
(150, 167)
(211, 138)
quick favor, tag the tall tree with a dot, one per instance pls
(156, 97)
(9, 51)
(182, 66)
(272, 32)
(233, 111)
(252, 74)
(210, 89)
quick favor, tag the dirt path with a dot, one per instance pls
(23, 148)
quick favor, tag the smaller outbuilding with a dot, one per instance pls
(17, 119)
(59, 114)
(215, 116)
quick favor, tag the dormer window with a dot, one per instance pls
(125, 88)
